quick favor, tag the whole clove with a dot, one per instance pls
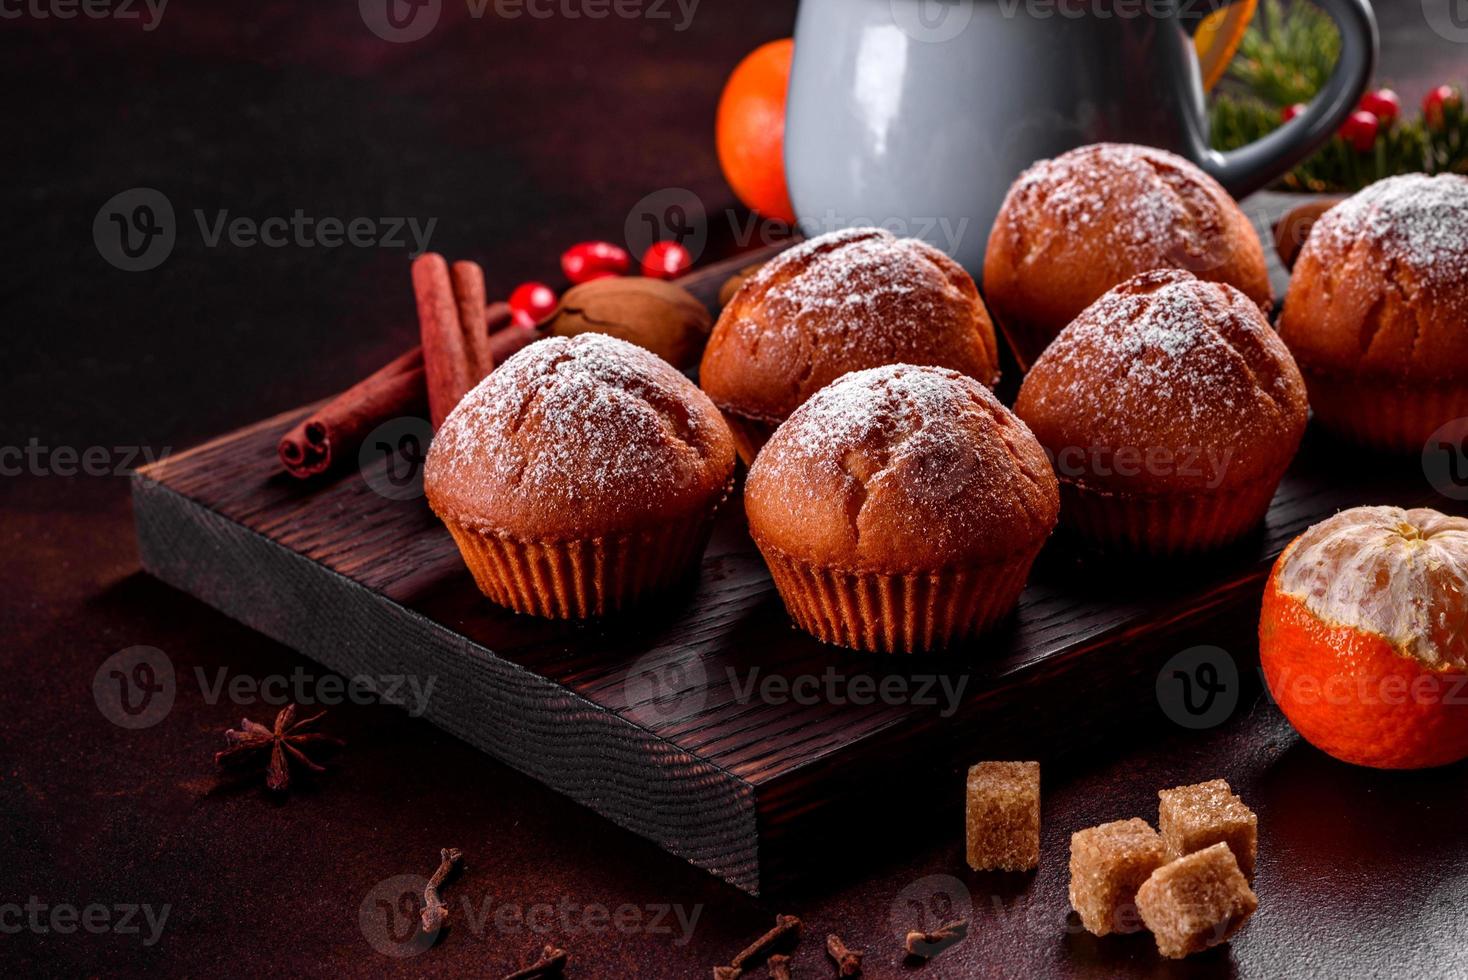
(782, 938)
(848, 961)
(552, 963)
(435, 912)
(779, 966)
(927, 945)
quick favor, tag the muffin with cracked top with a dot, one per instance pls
(1377, 309)
(1073, 227)
(580, 476)
(900, 508)
(1171, 410)
(844, 301)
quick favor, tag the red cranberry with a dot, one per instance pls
(1438, 101)
(666, 260)
(1360, 130)
(586, 261)
(1383, 104)
(531, 302)
(1291, 111)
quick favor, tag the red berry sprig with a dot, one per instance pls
(666, 260)
(1360, 130)
(530, 303)
(586, 261)
(1437, 104)
(1383, 104)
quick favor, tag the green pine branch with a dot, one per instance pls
(1285, 57)
(1287, 54)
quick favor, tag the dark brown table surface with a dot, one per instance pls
(520, 136)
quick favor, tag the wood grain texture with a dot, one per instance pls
(658, 718)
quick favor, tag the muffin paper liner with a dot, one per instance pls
(1391, 417)
(1164, 525)
(902, 613)
(579, 579)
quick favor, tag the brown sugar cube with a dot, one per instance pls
(1194, 817)
(1004, 816)
(1107, 865)
(1196, 902)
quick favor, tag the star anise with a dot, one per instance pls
(285, 744)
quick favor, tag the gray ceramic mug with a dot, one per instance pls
(918, 114)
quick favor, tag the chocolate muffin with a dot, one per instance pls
(580, 476)
(1075, 226)
(1377, 312)
(1170, 410)
(841, 302)
(900, 509)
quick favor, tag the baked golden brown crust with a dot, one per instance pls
(1380, 290)
(1167, 385)
(843, 302)
(1075, 226)
(902, 468)
(575, 438)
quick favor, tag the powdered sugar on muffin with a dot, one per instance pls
(1185, 376)
(1376, 311)
(859, 271)
(904, 464)
(1073, 227)
(1414, 220)
(844, 301)
(1081, 188)
(584, 432)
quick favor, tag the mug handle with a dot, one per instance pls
(1252, 167)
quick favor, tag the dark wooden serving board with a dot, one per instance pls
(649, 718)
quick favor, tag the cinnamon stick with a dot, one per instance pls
(469, 293)
(335, 432)
(445, 350)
